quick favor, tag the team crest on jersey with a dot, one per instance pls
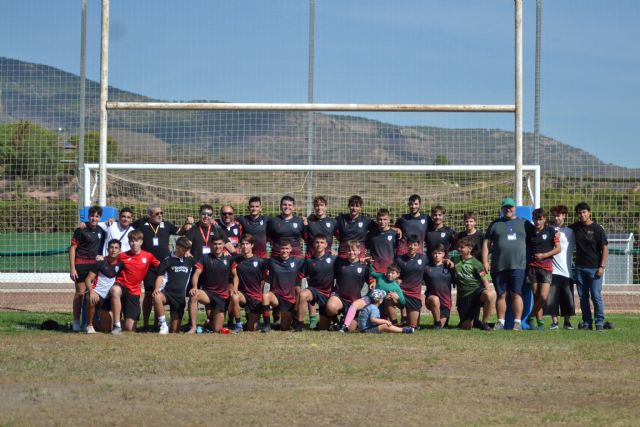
(224, 261)
(235, 231)
(255, 264)
(100, 235)
(422, 221)
(359, 270)
(328, 224)
(292, 264)
(443, 234)
(544, 236)
(328, 260)
(419, 262)
(117, 268)
(261, 222)
(389, 238)
(144, 260)
(360, 224)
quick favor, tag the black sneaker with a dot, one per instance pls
(584, 326)
(266, 329)
(599, 328)
(437, 327)
(568, 326)
(298, 328)
(344, 329)
(486, 327)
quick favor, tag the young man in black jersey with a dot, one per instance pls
(255, 223)
(246, 271)
(171, 285)
(86, 245)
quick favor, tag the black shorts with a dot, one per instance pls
(445, 312)
(318, 298)
(538, 275)
(560, 301)
(345, 305)
(176, 303)
(412, 304)
(105, 303)
(216, 302)
(284, 305)
(130, 304)
(83, 271)
(469, 306)
(150, 280)
(252, 306)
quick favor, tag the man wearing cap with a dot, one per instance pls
(505, 240)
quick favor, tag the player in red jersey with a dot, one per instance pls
(128, 286)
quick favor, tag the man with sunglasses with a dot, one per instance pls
(231, 227)
(156, 232)
(205, 232)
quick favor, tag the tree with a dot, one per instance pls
(92, 147)
(27, 149)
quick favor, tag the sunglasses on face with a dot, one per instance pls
(206, 214)
(227, 213)
(157, 213)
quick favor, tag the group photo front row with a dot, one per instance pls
(284, 269)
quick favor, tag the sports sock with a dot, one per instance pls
(517, 320)
(162, 320)
(266, 315)
(117, 324)
(313, 320)
(501, 321)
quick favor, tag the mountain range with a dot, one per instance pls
(49, 97)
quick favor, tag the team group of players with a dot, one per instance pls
(378, 270)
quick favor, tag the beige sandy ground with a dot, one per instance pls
(429, 378)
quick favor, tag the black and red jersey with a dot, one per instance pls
(412, 226)
(249, 272)
(257, 227)
(215, 273)
(349, 228)
(292, 229)
(88, 242)
(284, 275)
(320, 273)
(315, 226)
(444, 235)
(201, 237)
(382, 246)
(351, 279)
(411, 272)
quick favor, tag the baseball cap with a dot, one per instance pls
(508, 201)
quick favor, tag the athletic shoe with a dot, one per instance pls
(568, 326)
(117, 330)
(555, 326)
(266, 329)
(76, 326)
(164, 329)
(584, 326)
(486, 326)
(238, 328)
(498, 326)
(407, 330)
(91, 330)
(437, 327)
(344, 329)
(517, 326)
(199, 329)
(298, 327)
(540, 326)
(599, 328)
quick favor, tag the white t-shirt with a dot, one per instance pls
(114, 231)
(563, 262)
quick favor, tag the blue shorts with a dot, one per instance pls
(508, 280)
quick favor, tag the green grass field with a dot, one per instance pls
(449, 377)
(17, 249)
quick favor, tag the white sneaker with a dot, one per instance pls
(164, 329)
(91, 330)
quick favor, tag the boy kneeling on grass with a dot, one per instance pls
(474, 290)
(369, 320)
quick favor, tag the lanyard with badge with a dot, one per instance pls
(156, 241)
(205, 248)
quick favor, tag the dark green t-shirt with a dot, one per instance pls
(508, 244)
(469, 275)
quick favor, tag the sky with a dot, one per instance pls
(373, 51)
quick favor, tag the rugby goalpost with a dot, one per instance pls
(106, 106)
